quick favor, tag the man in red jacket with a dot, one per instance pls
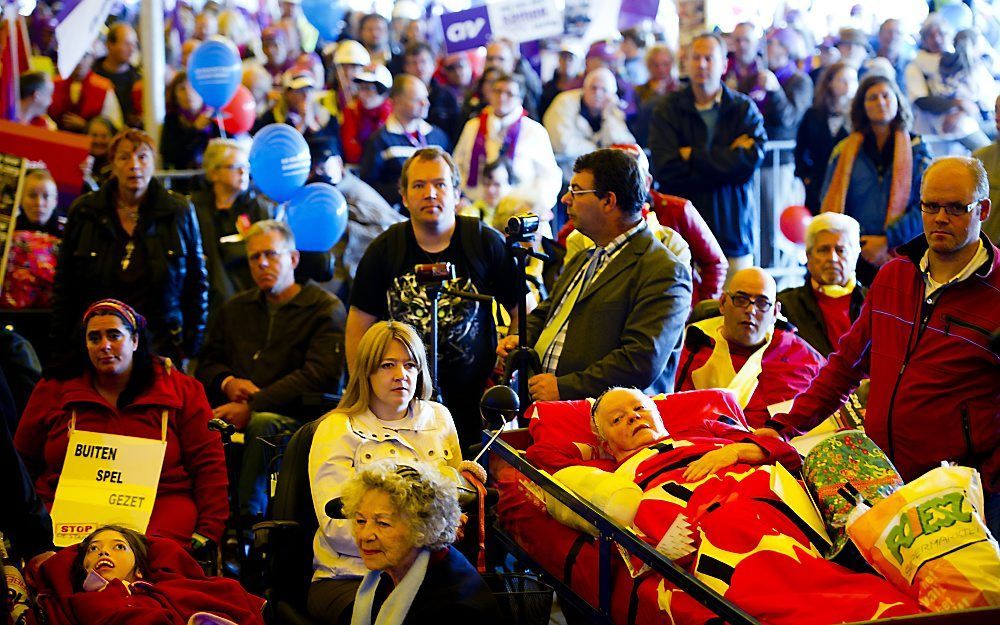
(746, 352)
(923, 336)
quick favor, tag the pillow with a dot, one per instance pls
(615, 495)
(561, 422)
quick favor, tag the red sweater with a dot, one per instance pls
(192, 494)
(789, 366)
(359, 124)
(93, 92)
(707, 258)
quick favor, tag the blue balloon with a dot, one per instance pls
(317, 215)
(279, 161)
(326, 16)
(215, 72)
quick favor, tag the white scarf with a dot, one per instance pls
(718, 371)
(397, 604)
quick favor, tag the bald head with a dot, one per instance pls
(744, 322)
(626, 420)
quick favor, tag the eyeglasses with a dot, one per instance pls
(740, 300)
(576, 192)
(235, 166)
(269, 255)
(953, 209)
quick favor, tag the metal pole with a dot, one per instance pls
(153, 63)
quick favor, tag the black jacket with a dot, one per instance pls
(799, 306)
(813, 146)
(173, 296)
(300, 351)
(228, 269)
(452, 593)
(784, 108)
(717, 179)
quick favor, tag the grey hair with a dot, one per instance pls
(936, 19)
(596, 429)
(423, 498)
(217, 149)
(723, 47)
(271, 225)
(976, 171)
(834, 222)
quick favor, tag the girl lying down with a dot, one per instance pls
(721, 501)
(118, 576)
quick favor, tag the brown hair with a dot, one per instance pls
(134, 136)
(859, 118)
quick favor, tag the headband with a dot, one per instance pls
(118, 308)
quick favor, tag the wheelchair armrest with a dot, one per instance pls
(282, 557)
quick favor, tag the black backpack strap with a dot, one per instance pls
(474, 249)
(397, 247)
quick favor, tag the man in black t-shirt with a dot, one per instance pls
(385, 285)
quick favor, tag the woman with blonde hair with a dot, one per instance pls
(385, 412)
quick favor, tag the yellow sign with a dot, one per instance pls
(106, 478)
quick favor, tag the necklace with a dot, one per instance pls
(129, 248)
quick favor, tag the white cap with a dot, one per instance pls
(379, 75)
(407, 10)
(350, 52)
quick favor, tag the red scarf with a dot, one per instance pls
(479, 146)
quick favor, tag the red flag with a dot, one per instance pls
(15, 51)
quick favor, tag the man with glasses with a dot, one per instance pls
(748, 350)
(267, 347)
(616, 313)
(924, 339)
(503, 129)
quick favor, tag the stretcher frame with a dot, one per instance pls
(507, 449)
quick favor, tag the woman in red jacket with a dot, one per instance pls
(118, 387)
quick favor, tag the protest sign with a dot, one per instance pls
(106, 478)
(517, 20)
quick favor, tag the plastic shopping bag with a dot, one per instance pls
(929, 539)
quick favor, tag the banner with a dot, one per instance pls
(106, 478)
(62, 153)
(12, 170)
(517, 20)
(79, 24)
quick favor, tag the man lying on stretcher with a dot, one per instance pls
(712, 499)
(627, 421)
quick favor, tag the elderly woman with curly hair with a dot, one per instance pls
(404, 516)
(385, 413)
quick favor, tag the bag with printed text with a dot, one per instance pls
(929, 539)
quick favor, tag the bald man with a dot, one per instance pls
(923, 336)
(580, 121)
(747, 350)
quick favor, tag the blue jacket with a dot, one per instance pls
(868, 194)
(387, 150)
(716, 178)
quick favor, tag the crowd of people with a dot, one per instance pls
(172, 305)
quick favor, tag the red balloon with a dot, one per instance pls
(238, 116)
(794, 221)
